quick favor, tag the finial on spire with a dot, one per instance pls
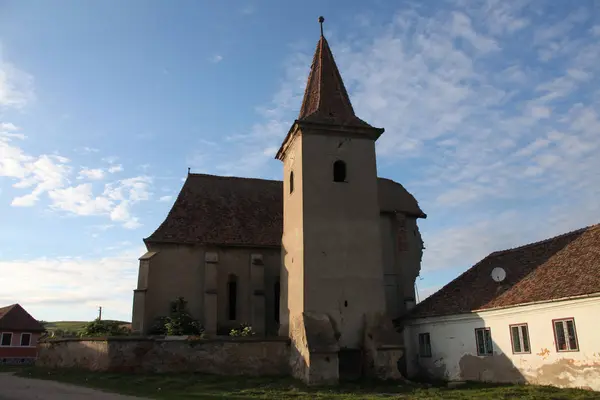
(321, 20)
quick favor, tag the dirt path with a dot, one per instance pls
(16, 388)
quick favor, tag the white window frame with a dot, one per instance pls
(425, 347)
(566, 334)
(21, 339)
(2, 338)
(487, 351)
(519, 338)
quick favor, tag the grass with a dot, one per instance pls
(73, 326)
(199, 386)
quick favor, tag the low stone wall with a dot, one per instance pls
(222, 356)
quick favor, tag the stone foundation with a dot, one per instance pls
(221, 356)
(312, 354)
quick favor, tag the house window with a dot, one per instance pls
(339, 171)
(519, 337)
(6, 339)
(25, 339)
(232, 297)
(276, 294)
(291, 182)
(424, 345)
(483, 337)
(565, 334)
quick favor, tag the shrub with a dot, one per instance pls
(100, 327)
(243, 330)
(179, 322)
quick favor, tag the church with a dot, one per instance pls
(312, 257)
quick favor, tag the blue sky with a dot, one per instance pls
(491, 111)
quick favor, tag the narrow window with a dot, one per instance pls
(291, 182)
(339, 171)
(424, 345)
(483, 337)
(25, 339)
(6, 339)
(565, 335)
(232, 297)
(276, 294)
(519, 337)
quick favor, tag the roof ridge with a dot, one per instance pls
(6, 309)
(532, 244)
(223, 177)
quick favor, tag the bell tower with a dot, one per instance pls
(332, 273)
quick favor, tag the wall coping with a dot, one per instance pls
(212, 339)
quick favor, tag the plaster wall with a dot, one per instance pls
(454, 353)
(343, 272)
(179, 270)
(292, 249)
(402, 249)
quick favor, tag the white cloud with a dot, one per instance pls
(216, 58)
(165, 199)
(16, 86)
(73, 287)
(51, 175)
(8, 126)
(115, 201)
(115, 168)
(480, 126)
(94, 174)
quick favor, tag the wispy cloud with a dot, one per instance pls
(115, 168)
(492, 136)
(94, 174)
(52, 175)
(73, 286)
(248, 10)
(217, 58)
(16, 86)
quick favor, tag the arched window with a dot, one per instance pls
(276, 302)
(339, 171)
(232, 297)
(291, 181)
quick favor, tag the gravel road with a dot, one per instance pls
(16, 388)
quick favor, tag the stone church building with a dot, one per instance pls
(314, 257)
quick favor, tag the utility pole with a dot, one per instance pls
(100, 313)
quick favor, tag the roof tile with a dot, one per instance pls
(563, 266)
(15, 318)
(224, 210)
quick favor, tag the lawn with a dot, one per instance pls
(197, 386)
(73, 326)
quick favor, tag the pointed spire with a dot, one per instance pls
(325, 98)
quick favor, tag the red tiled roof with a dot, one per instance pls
(246, 212)
(325, 97)
(563, 266)
(15, 318)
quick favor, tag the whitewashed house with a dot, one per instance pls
(529, 314)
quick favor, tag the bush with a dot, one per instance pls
(179, 322)
(103, 328)
(243, 330)
(158, 327)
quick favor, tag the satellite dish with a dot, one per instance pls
(498, 274)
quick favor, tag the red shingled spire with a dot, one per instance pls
(325, 97)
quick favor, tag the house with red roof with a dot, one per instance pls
(529, 314)
(19, 334)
